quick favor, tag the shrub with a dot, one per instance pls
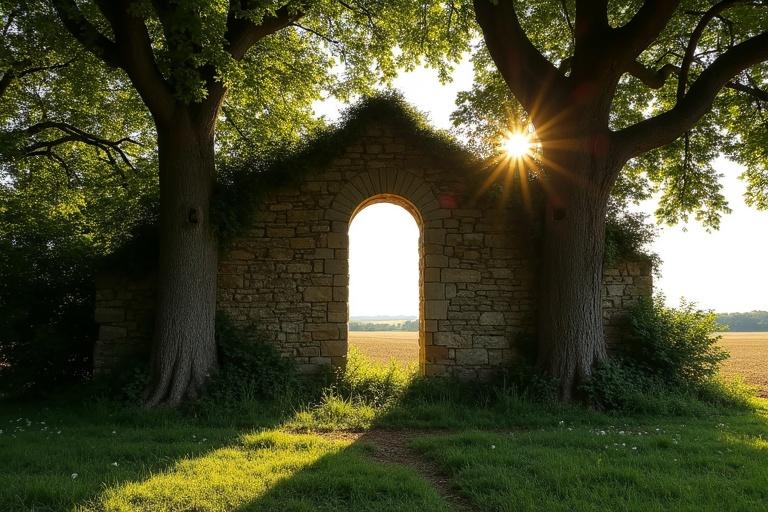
(617, 384)
(676, 346)
(364, 381)
(46, 314)
(667, 364)
(249, 370)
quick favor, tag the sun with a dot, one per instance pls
(516, 144)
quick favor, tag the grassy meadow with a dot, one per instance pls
(382, 440)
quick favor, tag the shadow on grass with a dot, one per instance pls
(499, 449)
(501, 454)
(64, 450)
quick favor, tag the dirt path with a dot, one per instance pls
(392, 447)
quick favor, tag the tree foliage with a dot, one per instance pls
(681, 172)
(753, 321)
(87, 88)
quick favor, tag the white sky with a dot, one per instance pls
(726, 270)
(383, 262)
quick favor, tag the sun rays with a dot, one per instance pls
(516, 144)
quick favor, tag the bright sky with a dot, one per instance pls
(726, 270)
(383, 262)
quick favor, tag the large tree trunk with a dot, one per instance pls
(571, 337)
(184, 349)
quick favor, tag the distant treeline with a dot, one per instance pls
(408, 325)
(745, 322)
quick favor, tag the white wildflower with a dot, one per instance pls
(74, 475)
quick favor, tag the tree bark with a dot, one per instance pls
(184, 349)
(570, 326)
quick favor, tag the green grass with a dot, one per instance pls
(276, 471)
(700, 464)
(501, 450)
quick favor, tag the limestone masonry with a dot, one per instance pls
(286, 278)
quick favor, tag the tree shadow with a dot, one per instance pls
(179, 462)
(280, 470)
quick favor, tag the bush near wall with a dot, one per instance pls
(667, 353)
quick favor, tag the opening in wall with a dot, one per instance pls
(384, 281)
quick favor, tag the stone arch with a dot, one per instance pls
(412, 193)
(396, 183)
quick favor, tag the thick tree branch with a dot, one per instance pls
(644, 27)
(693, 42)
(131, 50)
(653, 79)
(137, 58)
(5, 81)
(668, 126)
(242, 33)
(86, 33)
(657, 79)
(240, 36)
(112, 149)
(18, 71)
(591, 22)
(529, 75)
(755, 92)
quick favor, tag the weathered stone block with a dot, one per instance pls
(434, 291)
(471, 356)
(318, 294)
(111, 332)
(436, 309)
(240, 254)
(281, 254)
(450, 339)
(492, 318)
(227, 281)
(107, 315)
(436, 354)
(338, 240)
(458, 275)
(336, 266)
(436, 260)
(302, 243)
(333, 348)
(484, 341)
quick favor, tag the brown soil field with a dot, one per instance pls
(749, 358)
(385, 346)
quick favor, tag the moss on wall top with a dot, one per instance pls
(242, 185)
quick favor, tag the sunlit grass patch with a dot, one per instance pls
(363, 392)
(275, 471)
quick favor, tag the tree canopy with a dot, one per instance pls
(682, 169)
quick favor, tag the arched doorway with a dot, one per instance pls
(386, 281)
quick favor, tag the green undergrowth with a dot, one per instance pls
(262, 438)
(74, 453)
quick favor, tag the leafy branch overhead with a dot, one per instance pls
(691, 84)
